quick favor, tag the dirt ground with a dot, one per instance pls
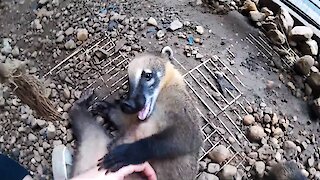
(225, 37)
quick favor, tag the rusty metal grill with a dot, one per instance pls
(221, 109)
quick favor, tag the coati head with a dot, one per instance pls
(147, 76)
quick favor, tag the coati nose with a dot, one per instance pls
(133, 105)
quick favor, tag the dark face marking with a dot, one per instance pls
(139, 93)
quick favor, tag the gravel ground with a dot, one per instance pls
(275, 118)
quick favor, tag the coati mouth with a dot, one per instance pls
(145, 112)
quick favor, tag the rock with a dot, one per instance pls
(286, 20)
(152, 21)
(43, 2)
(51, 131)
(311, 161)
(199, 29)
(36, 24)
(309, 47)
(32, 137)
(301, 33)
(314, 82)
(290, 149)
(60, 39)
(202, 166)
(248, 120)
(69, 31)
(160, 34)
(70, 45)
(276, 37)
(316, 107)
(176, 24)
(15, 51)
(257, 16)
(41, 123)
(260, 168)
(275, 119)
(314, 69)
(304, 64)
(199, 56)
(207, 176)
(256, 133)
(228, 172)
(267, 11)
(55, 2)
(249, 109)
(6, 48)
(219, 154)
(248, 6)
(66, 93)
(66, 107)
(213, 168)
(267, 118)
(82, 34)
(269, 25)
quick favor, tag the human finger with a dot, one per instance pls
(149, 171)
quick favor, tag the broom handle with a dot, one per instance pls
(4, 73)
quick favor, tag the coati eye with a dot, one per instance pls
(148, 76)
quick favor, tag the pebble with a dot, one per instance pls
(82, 34)
(213, 168)
(249, 109)
(304, 64)
(37, 24)
(32, 137)
(309, 47)
(285, 19)
(257, 16)
(290, 148)
(69, 31)
(176, 24)
(260, 168)
(51, 131)
(6, 48)
(41, 123)
(15, 51)
(66, 107)
(301, 33)
(199, 56)
(160, 34)
(70, 45)
(256, 133)
(228, 172)
(152, 21)
(66, 93)
(43, 2)
(219, 154)
(248, 120)
(200, 29)
(276, 37)
(207, 176)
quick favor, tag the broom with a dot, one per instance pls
(28, 89)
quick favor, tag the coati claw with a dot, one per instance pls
(101, 108)
(86, 98)
(121, 156)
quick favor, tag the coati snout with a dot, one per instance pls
(133, 105)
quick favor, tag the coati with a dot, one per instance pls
(285, 171)
(157, 123)
(91, 138)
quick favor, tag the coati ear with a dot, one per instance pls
(167, 51)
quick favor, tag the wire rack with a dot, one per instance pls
(220, 103)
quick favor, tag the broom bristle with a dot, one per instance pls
(30, 93)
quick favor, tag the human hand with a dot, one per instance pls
(95, 174)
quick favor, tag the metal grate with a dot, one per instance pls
(221, 109)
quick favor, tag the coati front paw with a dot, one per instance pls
(121, 156)
(101, 108)
(85, 99)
